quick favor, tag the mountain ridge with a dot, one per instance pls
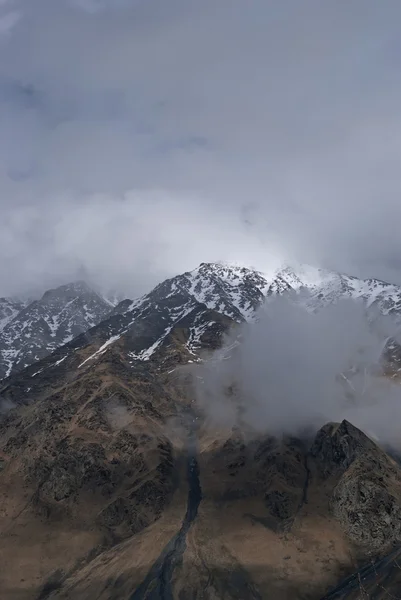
(53, 320)
(112, 473)
(234, 291)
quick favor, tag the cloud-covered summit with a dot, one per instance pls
(132, 133)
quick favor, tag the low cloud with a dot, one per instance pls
(8, 21)
(130, 244)
(294, 370)
(274, 121)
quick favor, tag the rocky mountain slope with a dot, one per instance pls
(238, 291)
(115, 484)
(31, 332)
(235, 292)
(111, 474)
(145, 325)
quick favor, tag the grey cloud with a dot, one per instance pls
(294, 370)
(131, 242)
(9, 17)
(8, 21)
(291, 110)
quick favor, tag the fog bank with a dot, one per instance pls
(294, 370)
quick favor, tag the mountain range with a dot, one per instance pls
(115, 485)
(31, 332)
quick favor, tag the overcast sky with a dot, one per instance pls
(139, 138)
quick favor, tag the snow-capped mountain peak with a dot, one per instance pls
(201, 302)
(45, 324)
(326, 286)
(237, 291)
(231, 290)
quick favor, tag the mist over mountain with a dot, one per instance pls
(304, 346)
(284, 145)
(292, 370)
(224, 400)
(226, 431)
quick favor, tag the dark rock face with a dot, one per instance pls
(369, 511)
(74, 466)
(337, 445)
(281, 504)
(366, 497)
(117, 474)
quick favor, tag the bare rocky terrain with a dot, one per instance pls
(114, 484)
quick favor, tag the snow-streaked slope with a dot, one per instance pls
(237, 292)
(327, 286)
(230, 290)
(9, 309)
(190, 301)
(44, 325)
(233, 291)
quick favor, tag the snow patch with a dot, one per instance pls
(37, 373)
(147, 352)
(60, 361)
(102, 349)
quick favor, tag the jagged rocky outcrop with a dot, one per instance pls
(337, 445)
(366, 497)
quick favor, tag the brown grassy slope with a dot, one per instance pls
(86, 467)
(93, 488)
(267, 524)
